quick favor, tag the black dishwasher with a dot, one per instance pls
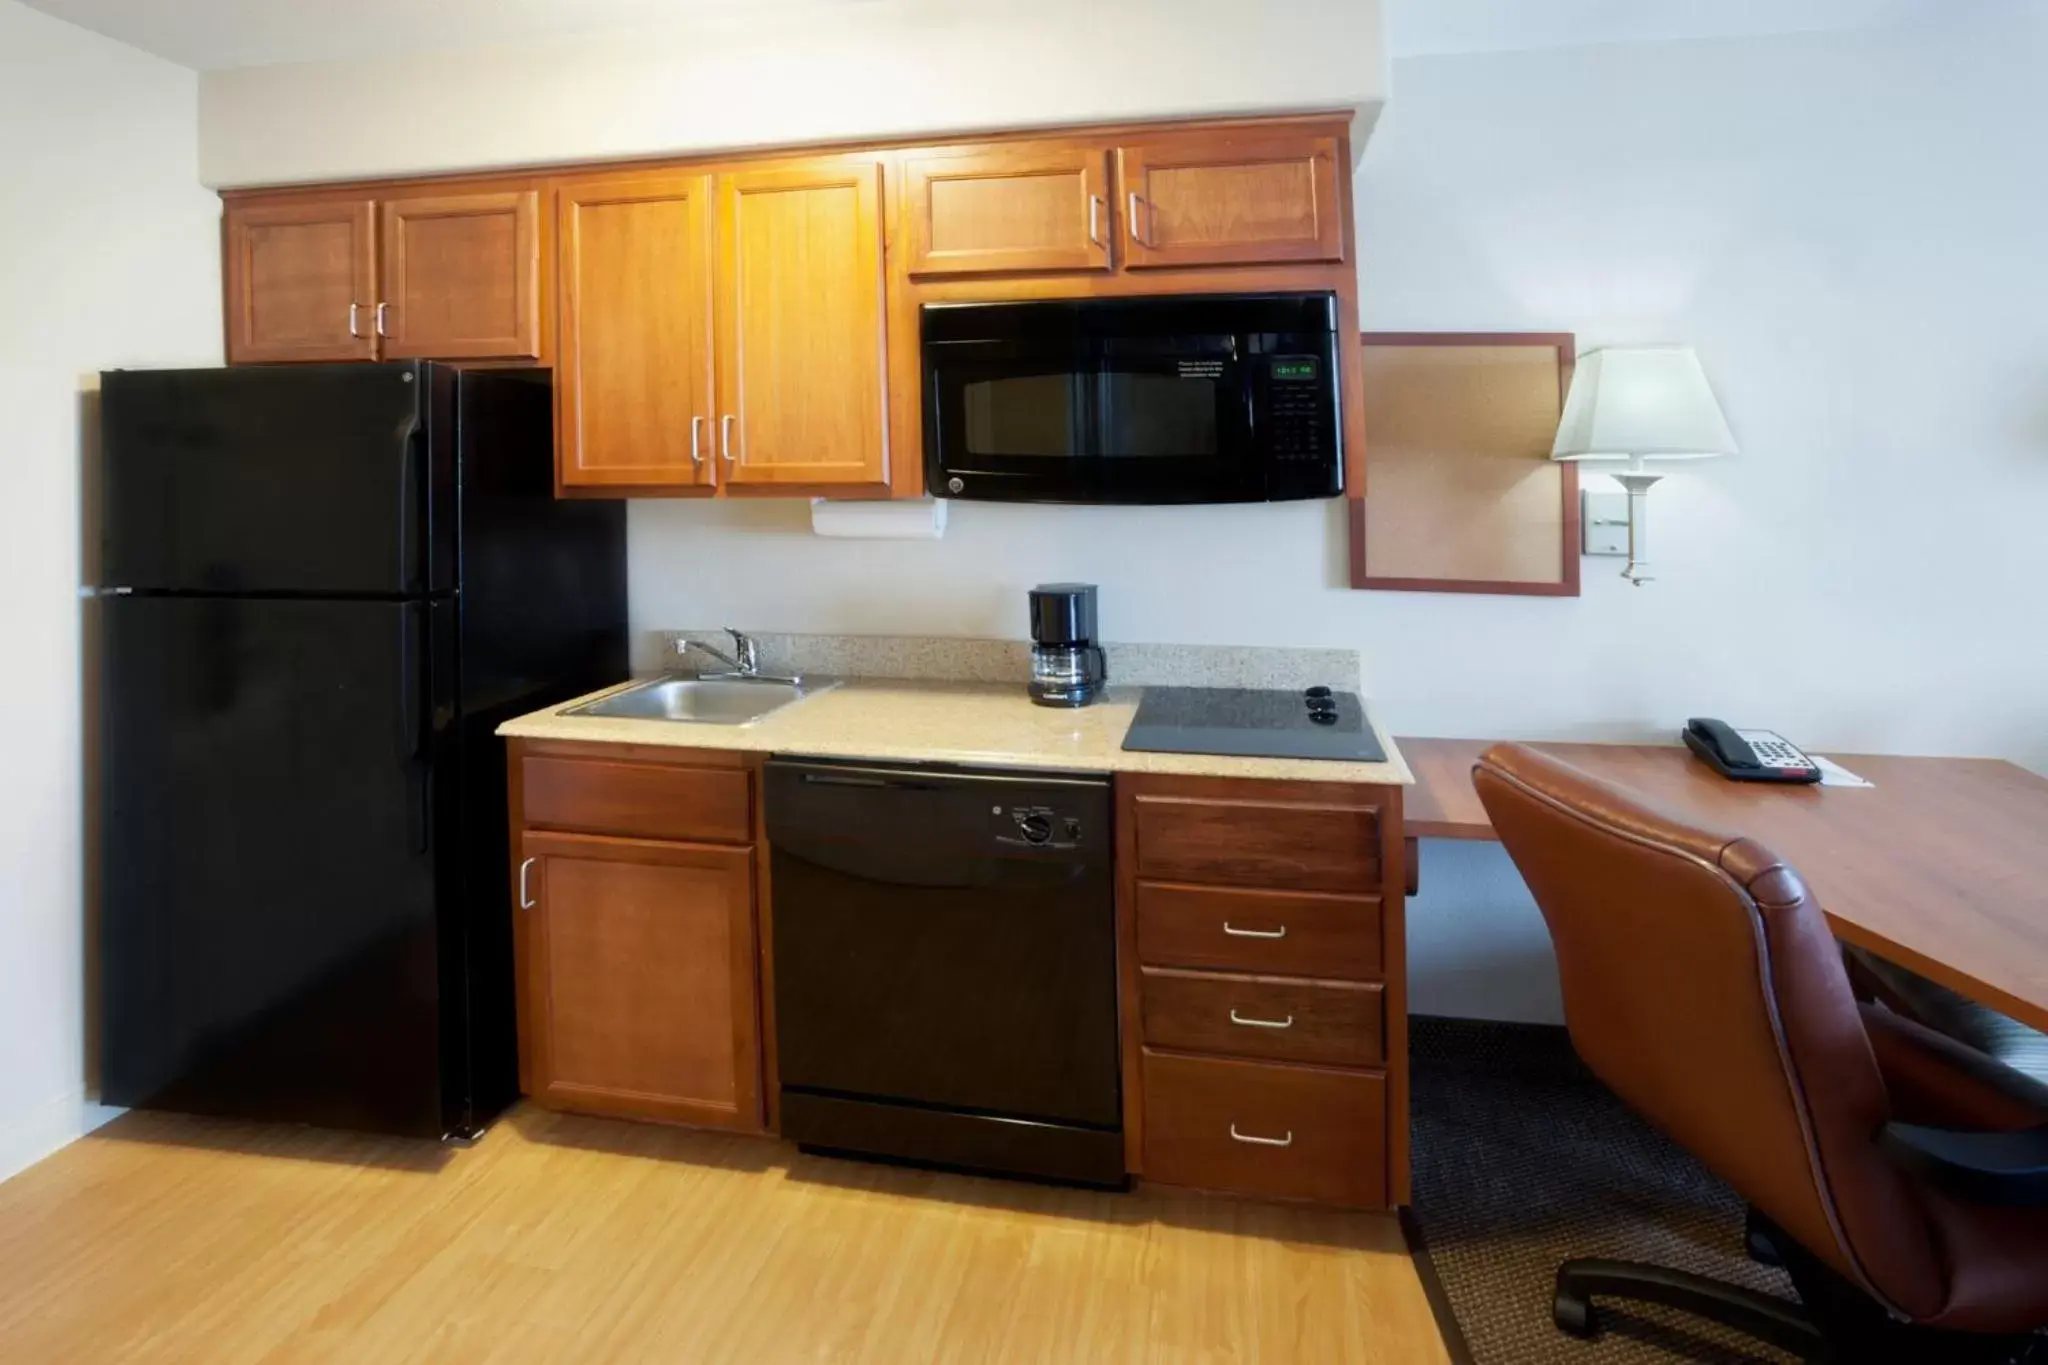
(945, 966)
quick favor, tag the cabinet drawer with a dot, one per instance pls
(1290, 1132)
(1283, 933)
(1295, 846)
(638, 800)
(1328, 1022)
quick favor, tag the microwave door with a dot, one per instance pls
(1011, 420)
(1173, 414)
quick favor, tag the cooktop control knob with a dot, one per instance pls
(1037, 827)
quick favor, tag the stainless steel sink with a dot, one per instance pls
(704, 701)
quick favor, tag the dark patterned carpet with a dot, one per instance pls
(1523, 1160)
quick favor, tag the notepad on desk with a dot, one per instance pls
(1833, 774)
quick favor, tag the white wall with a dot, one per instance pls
(748, 78)
(1849, 228)
(108, 257)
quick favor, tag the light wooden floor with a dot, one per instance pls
(566, 1240)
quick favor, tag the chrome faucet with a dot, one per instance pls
(743, 662)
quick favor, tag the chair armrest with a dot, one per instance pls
(2008, 1168)
(1937, 1082)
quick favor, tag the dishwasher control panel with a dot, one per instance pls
(1036, 827)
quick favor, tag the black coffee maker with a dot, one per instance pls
(1067, 667)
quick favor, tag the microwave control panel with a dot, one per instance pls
(1295, 412)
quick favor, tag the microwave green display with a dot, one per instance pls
(1302, 368)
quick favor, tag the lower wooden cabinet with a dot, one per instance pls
(640, 992)
(637, 932)
(1263, 979)
(1287, 1019)
(1287, 1132)
(1262, 984)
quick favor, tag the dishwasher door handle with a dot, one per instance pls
(894, 784)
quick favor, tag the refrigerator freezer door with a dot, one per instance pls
(269, 938)
(292, 479)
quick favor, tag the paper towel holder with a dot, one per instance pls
(890, 519)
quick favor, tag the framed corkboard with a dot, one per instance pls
(1461, 493)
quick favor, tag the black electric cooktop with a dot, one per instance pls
(1248, 722)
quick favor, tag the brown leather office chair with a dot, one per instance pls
(1901, 1176)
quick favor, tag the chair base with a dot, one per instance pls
(1834, 1322)
(1756, 1240)
(1782, 1324)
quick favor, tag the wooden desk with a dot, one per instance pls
(1942, 867)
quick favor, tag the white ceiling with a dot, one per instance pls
(215, 34)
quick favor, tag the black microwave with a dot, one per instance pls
(1194, 398)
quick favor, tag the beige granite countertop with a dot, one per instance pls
(991, 724)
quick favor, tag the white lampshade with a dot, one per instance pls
(1641, 403)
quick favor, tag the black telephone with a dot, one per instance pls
(1748, 755)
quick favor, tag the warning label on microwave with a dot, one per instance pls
(1201, 369)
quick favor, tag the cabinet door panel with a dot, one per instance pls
(461, 277)
(293, 271)
(1215, 199)
(801, 376)
(633, 377)
(640, 980)
(1025, 206)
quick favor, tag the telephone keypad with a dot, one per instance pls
(1772, 751)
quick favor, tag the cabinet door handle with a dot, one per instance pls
(382, 308)
(1235, 932)
(1131, 218)
(696, 440)
(354, 329)
(1237, 1018)
(525, 901)
(1095, 219)
(725, 437)
(1258, 1141)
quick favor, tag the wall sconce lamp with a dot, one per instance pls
(1638, 404)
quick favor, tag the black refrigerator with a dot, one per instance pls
(323, 587)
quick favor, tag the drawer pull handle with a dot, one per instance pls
(1235, 932)
(1237, 1018)
(1258, 1141)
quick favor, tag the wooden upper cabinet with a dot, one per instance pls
(301, 280)
(800, 374)
(1016, 206)
(639, 996)
(634, 367)
(461, 277)
(1223, 199)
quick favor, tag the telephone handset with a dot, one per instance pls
(1748, 755)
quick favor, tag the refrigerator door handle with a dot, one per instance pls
(412, 741)
(408, 475)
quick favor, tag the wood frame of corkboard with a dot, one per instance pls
(1565, 347)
